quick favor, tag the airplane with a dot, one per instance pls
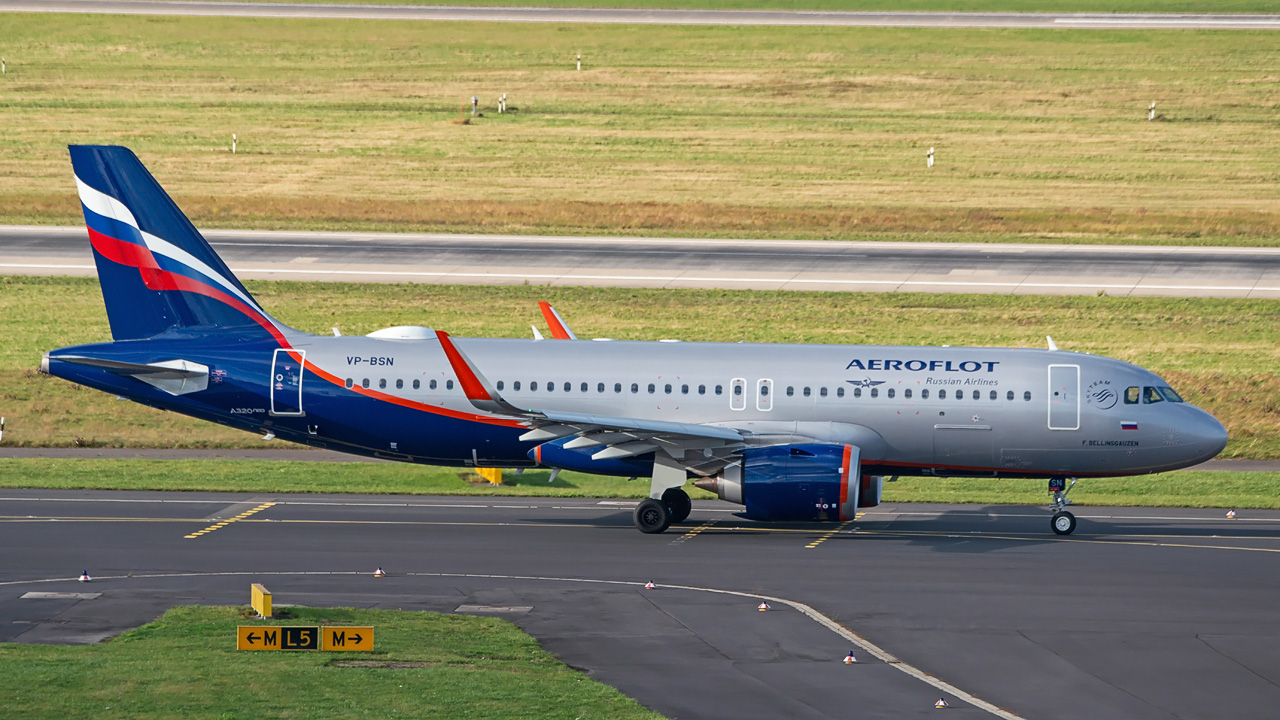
(790, 432)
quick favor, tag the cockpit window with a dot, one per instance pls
(1151, 395)
(1132, 394)
(1169, 394)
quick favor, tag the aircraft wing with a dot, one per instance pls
(701, 448)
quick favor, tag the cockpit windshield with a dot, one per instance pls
(1150, 394)
(1169, 394)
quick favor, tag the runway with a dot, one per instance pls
(1171, 271)
(1140, 614)
(653, 16)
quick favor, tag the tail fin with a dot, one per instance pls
(157, 273)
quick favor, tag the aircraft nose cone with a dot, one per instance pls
(1210, 435)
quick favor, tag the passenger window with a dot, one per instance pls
(568, 387)
(533, 385)
(1131, 395)
(448, 385)
(857, 392)
(600, 388)
(924, 394)
(906, 393)
(959, 394)
(500, 384)
(635, 387)
(399, 384)
(652, 388)
(942, 394)
(764, 391)
(551, 386)
(584, 387)
(684, 389)
(875, 392)
(364, 383)
(790, 391)
(617, 387)
(418, 383)
(1151, 395)
(1027, 396)
(667, 388)
(350, 382)
(702, 389)
(1010, 395)
(840, 392)
(806, 392)
(822, 392)
(382, 384)
(994, 395)
(514, 386)
(737, 389)
(719, 390)
(889, 394)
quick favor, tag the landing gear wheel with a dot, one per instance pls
(652, 516)
(1064, 523)
(678, 502)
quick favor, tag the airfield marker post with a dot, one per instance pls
(233, 143)
(1151, 112)
(579, 62)
(1, 429)
(929, 158)
(4, 67)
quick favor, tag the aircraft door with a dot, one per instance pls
(764, 395)
(286, 382)
(1064, 397)
(738, 394)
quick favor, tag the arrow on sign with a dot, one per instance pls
(357, 638)
(252, 638)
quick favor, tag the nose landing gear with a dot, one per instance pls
(1063, 523)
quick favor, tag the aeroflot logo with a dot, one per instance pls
(967, 366)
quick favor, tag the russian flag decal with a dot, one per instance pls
(1128, 425)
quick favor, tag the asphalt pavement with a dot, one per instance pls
(997, 268)
(655, 16)
(1141, 614)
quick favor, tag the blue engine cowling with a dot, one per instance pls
(554, 454)
(793, 482)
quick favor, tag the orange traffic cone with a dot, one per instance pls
(763, 607)
(850, 659)
(1231, 514)
(84, 576)
(379, 573)
(649, 585)
(942, 703)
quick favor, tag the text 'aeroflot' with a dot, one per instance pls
(791, 432)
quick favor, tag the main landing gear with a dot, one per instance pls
(1063, 523)
(655, 516)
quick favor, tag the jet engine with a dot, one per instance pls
(796, 482)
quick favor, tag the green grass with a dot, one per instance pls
(1099, 6)
(185, 665)
(1220, 354)
(719, 131)
(1188, 488)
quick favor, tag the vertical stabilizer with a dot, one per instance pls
(158, 274)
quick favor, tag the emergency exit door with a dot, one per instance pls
(286, 382)
(1064, 397)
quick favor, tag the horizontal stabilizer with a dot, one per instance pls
(176, 377)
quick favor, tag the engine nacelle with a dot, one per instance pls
(793, 482)
(554, 455)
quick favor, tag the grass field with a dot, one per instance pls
(1220, 354)
(1099, 6)
(1188, 488)
(769, 132)
(185, 665)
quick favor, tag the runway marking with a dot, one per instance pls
(845, 633)
(839, 528)
(1047, 538)
(694, 532)
(228, 521)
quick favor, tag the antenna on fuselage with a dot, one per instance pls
(1052, 345)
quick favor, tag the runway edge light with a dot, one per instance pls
(763, 607)
(1231, 514)
(84, 576)
(942, 703)
(379, 572)
(649, 585)
(850, 659)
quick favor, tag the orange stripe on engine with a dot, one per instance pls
(845, 472)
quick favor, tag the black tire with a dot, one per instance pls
(1064, 523)
(678, 503)
(652, 516)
